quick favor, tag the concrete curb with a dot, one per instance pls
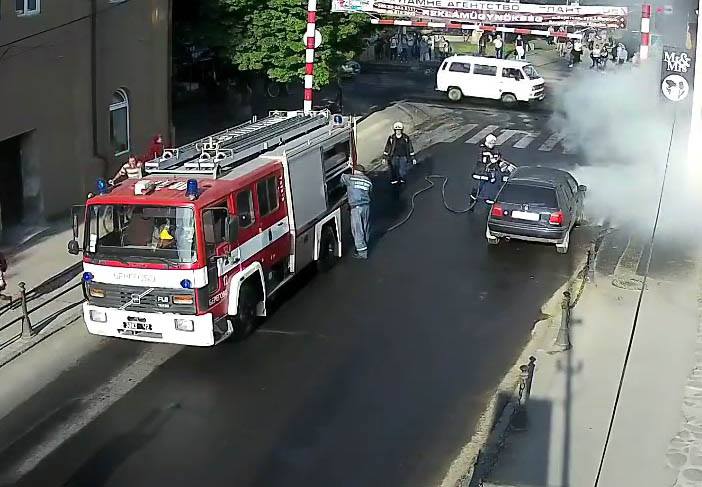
(20, 346)
(482, 450)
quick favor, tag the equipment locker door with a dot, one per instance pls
(273, 218)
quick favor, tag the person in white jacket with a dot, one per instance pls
(499, 45)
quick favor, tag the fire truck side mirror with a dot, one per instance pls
(73, 246)
(232, 229)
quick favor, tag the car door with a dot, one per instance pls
(459, 75)
(568, 204)
(485, 81)
(510, 82)
(217, 248)
(248, 239)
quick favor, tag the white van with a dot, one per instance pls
(484, 77)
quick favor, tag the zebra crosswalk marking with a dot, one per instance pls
(552, 141)
(522, 143)
(482, 134)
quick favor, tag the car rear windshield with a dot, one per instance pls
(521, 194)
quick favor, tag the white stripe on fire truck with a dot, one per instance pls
(256, 244)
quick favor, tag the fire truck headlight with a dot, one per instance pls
(98, 316)
(184, 325)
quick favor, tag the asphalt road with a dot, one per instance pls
(372, 374)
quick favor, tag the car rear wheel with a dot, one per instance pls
(562, 248)
(455, 94)
(509, 99)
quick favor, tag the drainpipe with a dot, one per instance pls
(93, 87)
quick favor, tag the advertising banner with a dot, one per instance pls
(677, 73)
(489, 12)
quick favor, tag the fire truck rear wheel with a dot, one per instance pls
(245, 320)
(327, 249)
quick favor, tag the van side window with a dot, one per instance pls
(512, 73)
(485, 70)
(460, 67)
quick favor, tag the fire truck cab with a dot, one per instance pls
(191, 253)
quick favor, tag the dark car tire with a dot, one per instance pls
(327, 249)
(245, 320)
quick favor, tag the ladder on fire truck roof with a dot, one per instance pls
(219, 153)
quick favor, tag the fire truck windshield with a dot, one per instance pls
(141, 233)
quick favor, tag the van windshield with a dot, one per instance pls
(531, 72)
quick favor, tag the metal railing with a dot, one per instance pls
(24, 298)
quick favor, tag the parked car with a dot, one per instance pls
(483, 77)
(350, 69)
(537, 204)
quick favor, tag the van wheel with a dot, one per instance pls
(509, 99)
(327, 249)
(455, 94)
(245, 320)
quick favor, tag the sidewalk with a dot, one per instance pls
(573, 393)
(43, 261)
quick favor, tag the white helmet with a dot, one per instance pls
(398, 126)
(490, 141)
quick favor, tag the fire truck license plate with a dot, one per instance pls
(133, 325)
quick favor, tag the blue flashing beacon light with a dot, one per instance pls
(186, 284)
(88, 276)
(191, 190)
(102, 186)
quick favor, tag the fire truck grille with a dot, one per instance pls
(133, 298)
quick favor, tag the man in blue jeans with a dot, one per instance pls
(398, 152)
(358, 188)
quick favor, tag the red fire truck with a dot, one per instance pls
(191, 253)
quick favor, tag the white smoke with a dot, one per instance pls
(619, 123)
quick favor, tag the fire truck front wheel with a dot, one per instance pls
(245, 320)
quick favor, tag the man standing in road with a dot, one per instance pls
(398, 152)
(498, 46)
(358, 188)
(519, 48)
(576, 52)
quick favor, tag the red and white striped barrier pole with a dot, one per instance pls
(309, 53)
(645, 31)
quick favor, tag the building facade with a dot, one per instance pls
(83, 83)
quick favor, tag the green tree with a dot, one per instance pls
(267, 36)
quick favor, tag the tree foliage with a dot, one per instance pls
(267, 36)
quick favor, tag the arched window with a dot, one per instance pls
(119, 122)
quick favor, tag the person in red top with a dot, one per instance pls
(156, 149)
(3, 283)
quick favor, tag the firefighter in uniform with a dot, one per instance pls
(487, 164)
(398, 152)
(359, 187)
(133, 169)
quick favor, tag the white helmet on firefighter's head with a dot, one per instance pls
(490, 141)
(398, 126)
